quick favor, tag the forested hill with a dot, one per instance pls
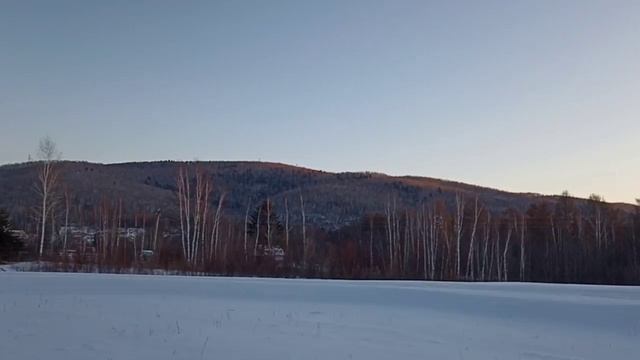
(331, 199)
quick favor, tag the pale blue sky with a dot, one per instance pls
(520, 95)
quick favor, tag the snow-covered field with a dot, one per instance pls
(88, 316)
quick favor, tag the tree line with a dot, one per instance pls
(561, 242)
(460, 240)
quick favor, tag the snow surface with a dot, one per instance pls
(90, 316)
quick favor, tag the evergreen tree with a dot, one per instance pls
(9, 244)
(266, 226)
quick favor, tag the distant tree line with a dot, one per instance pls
(465, 241)
(459, 240)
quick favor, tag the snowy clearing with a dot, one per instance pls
(90, 316)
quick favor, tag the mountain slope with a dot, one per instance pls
(331, 199)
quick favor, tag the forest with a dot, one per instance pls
(459, 238)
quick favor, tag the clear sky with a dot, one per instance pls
(536, 96)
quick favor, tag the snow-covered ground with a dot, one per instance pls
(88, 316)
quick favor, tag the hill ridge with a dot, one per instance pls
(333, 198)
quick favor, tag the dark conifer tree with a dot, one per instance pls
(10, 245)
(265, 225)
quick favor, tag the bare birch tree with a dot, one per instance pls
(459, 219)
(389, 234)
(193, 210)
(215, 233)
(505, 263)
(47, 180)
(476, 216)
(435, 222)
(155, 233)
(246, 229)
(255, 245)
(486, 238)
(269, 232)
(304, 231)
(371, 242)
(287, 229)
(67, 204)
(523, 226)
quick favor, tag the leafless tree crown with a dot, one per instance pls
(48, 150)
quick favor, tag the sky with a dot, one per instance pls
(535, 96)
